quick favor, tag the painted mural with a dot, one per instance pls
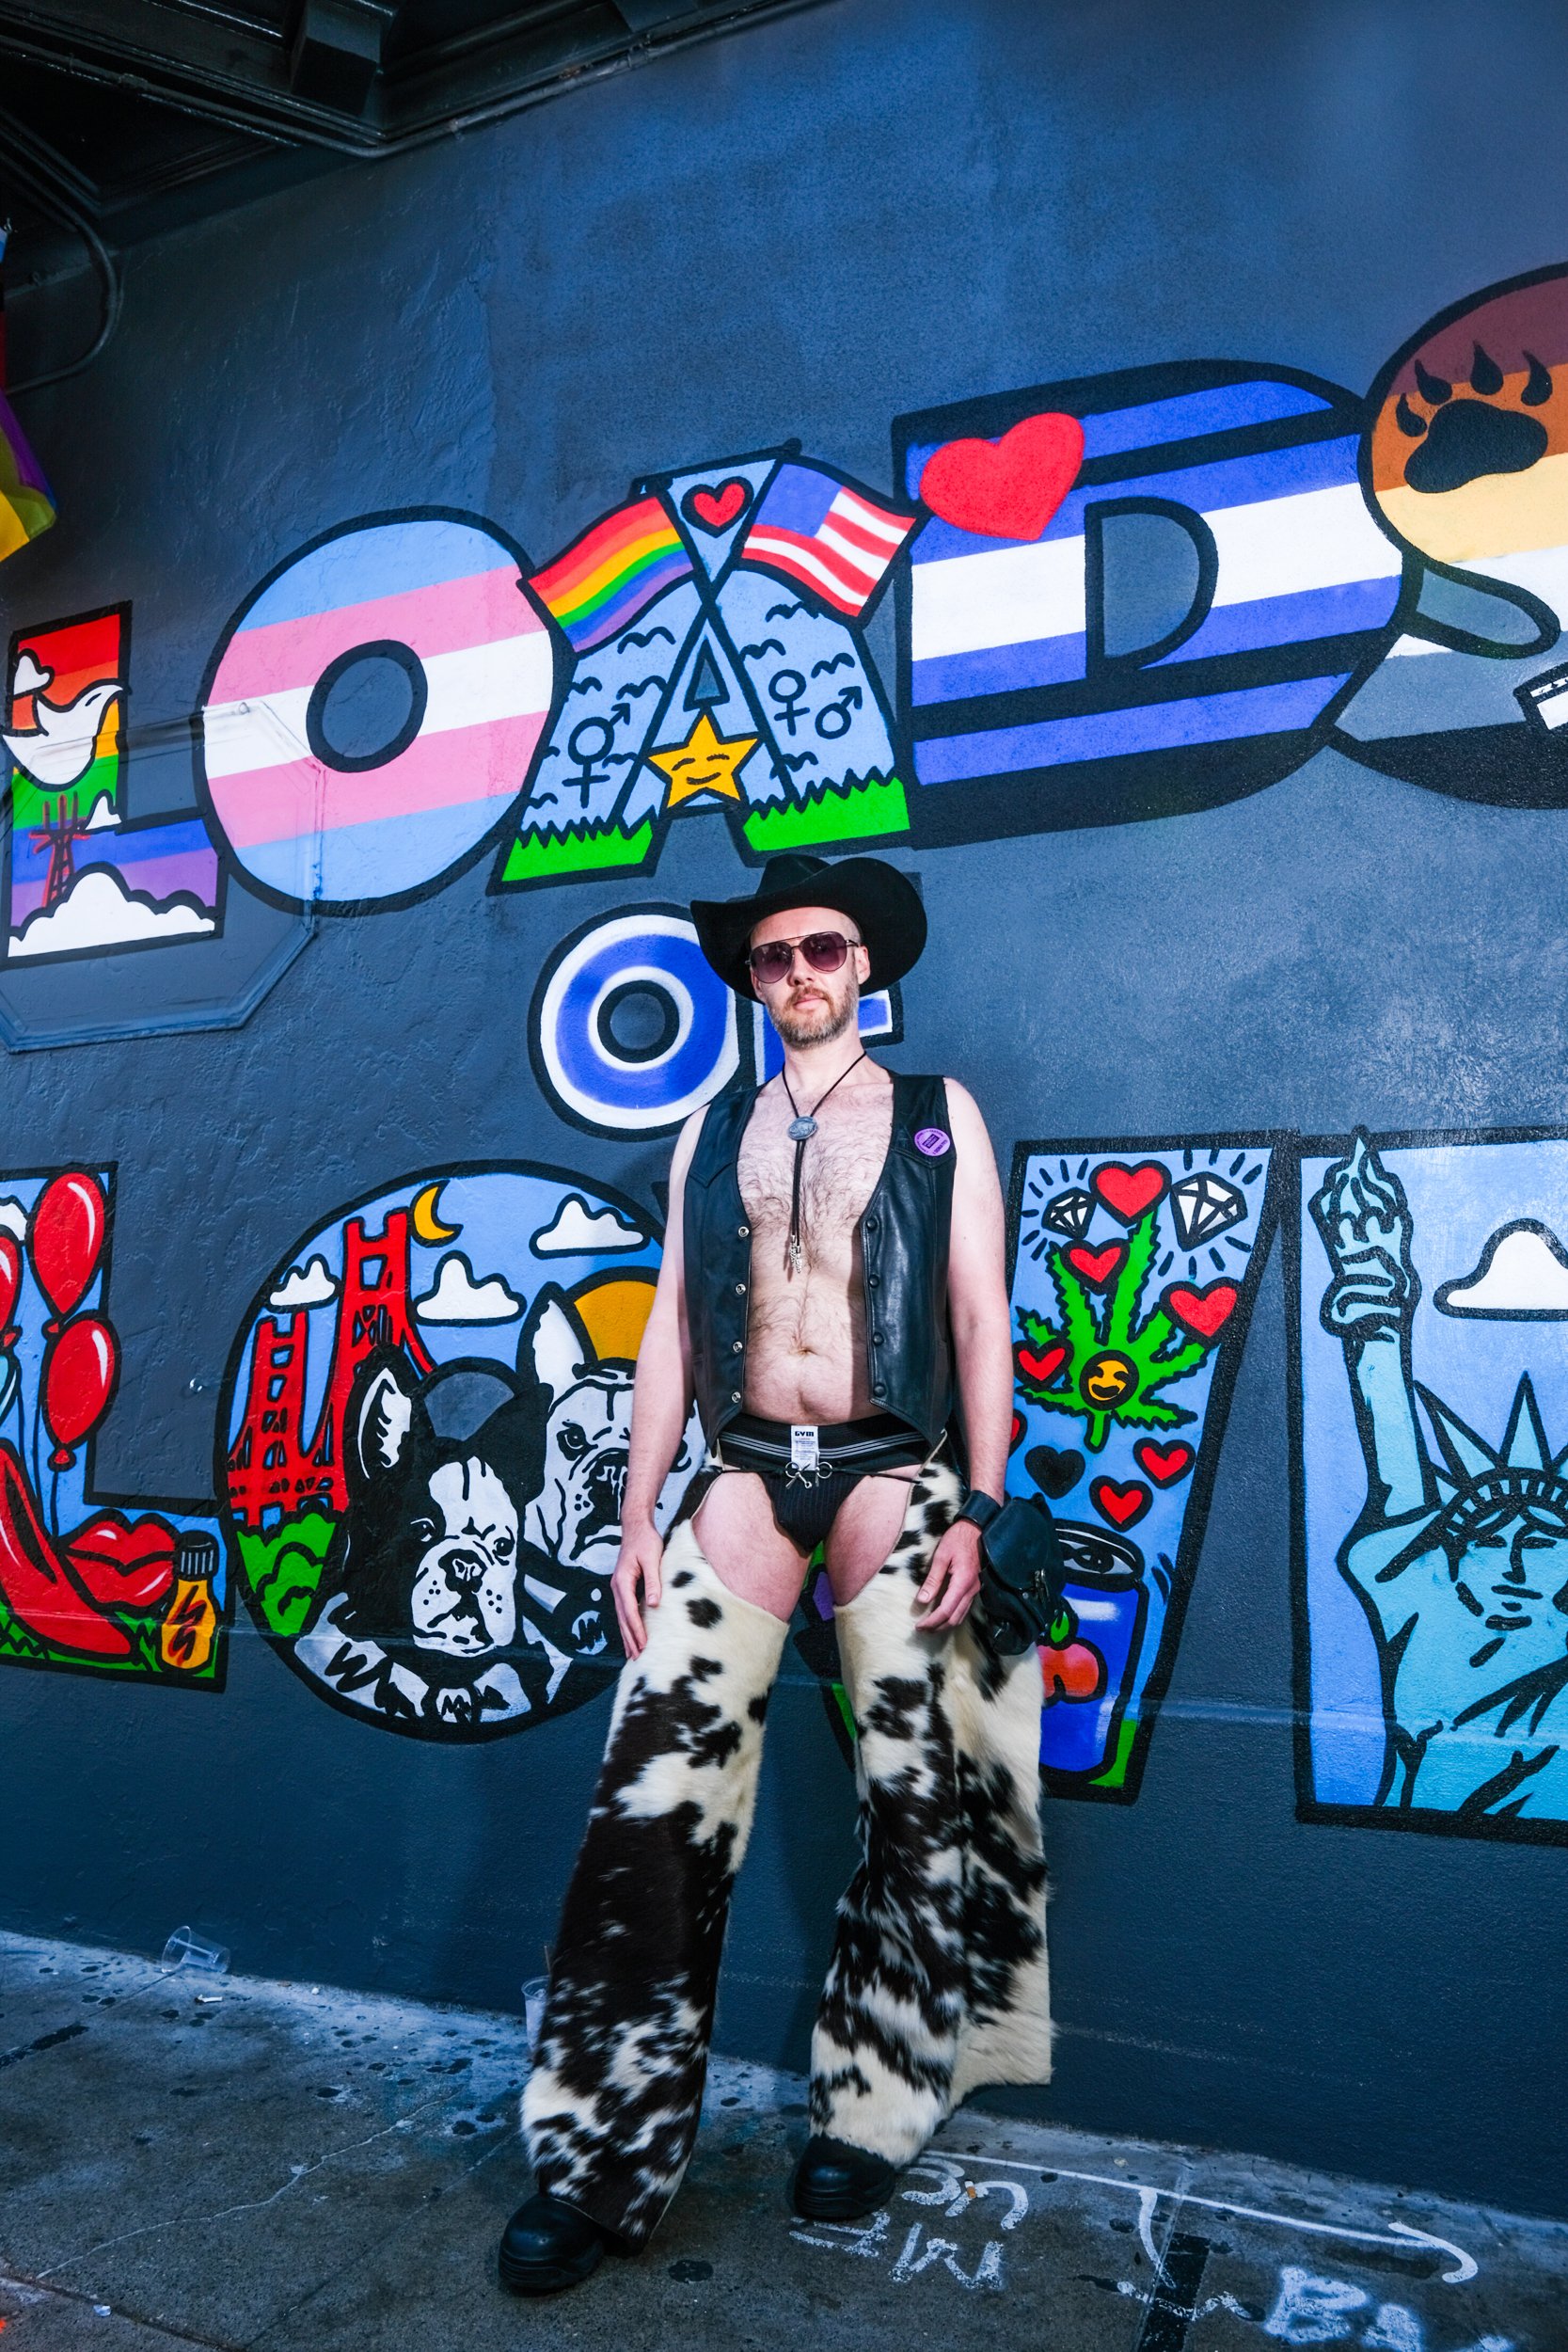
(83, 874)
(1118, 597)
(714, 625)
(372, 712)
(1134, 1269)
(1464, 464)
(1137, 594)
(89, 1582)
(423, 1443)
(1431, 1381)
(631, 1029)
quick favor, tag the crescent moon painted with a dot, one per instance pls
(427, 1225)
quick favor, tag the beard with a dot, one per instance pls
(819, 1024)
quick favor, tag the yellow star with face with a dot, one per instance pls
(705, 762)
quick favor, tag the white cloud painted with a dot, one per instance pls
(1523, 1272)
(576, 1231)
(309, 1285)
(458, 1298)
(98, 912)
(13, 1219)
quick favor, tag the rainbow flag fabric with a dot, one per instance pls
(613, 573)
(26, 503)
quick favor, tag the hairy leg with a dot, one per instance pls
(741, 1543)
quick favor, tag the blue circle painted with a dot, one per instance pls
(633, 1090)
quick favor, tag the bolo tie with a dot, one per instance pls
(800, 1130)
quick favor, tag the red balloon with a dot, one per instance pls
(10, 1282)
(79, 1376)
(65, 1237)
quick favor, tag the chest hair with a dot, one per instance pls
(839, 1171)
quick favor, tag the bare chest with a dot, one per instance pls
(840, 1168)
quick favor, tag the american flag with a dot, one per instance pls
(831, 539)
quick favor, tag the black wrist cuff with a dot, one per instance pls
(980, 1509)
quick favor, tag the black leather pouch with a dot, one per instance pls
(1022, 1575)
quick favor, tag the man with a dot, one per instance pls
(834, 1254)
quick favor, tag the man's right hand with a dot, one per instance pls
(638, 1573)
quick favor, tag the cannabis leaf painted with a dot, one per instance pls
(1098, 1361)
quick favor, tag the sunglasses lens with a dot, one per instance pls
(824, 951)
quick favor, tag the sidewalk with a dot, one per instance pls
(291, 2166)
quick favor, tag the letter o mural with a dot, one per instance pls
(427, 786)
(630, 1029)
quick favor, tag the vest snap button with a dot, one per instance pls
(870, 1223)
(740, 1290)
(880, 1389)
(745, 1231)
(872, 1281)
(734, 1396)
(737, 1347)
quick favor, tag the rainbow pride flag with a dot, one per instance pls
(613, 573)
(26, 503)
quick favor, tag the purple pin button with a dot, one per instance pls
(933, 1141)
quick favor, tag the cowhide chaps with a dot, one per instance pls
(938, 1977)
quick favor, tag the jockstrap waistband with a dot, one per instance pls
(807, 1454)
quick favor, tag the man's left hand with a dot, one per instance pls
(956, 1565)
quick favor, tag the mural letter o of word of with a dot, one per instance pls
(422, 1444)
(373, 713)
(630, 1029)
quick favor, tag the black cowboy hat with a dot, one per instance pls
(882, 904)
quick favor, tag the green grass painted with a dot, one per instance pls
(544, 857)
(863, 812)
(283, 1569)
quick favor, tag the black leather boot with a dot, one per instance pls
(548, 2245)
(834, 2182)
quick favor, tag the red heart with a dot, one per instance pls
(1124, 1506)
(716, 509)
(1097, 1266)
(1127, 1192)
(1011, 488)
(1165, 1464)
(1041, 1367)
(1203, 1311)
(1018, 1431)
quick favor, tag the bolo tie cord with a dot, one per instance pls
(800, 1131)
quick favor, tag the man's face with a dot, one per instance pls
(810, 1008)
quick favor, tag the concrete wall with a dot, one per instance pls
(1270, 1932)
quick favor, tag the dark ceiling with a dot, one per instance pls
(121, 117)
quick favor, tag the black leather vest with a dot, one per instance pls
(904, 1239)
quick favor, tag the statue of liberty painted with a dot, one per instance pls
(1460, 1565)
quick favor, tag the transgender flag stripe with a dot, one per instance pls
(453, 596)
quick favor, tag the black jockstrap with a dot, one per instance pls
(805, 1504)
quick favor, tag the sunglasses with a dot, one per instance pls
(824, 951)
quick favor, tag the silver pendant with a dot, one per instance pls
(797, 1256)
(800, 1130)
